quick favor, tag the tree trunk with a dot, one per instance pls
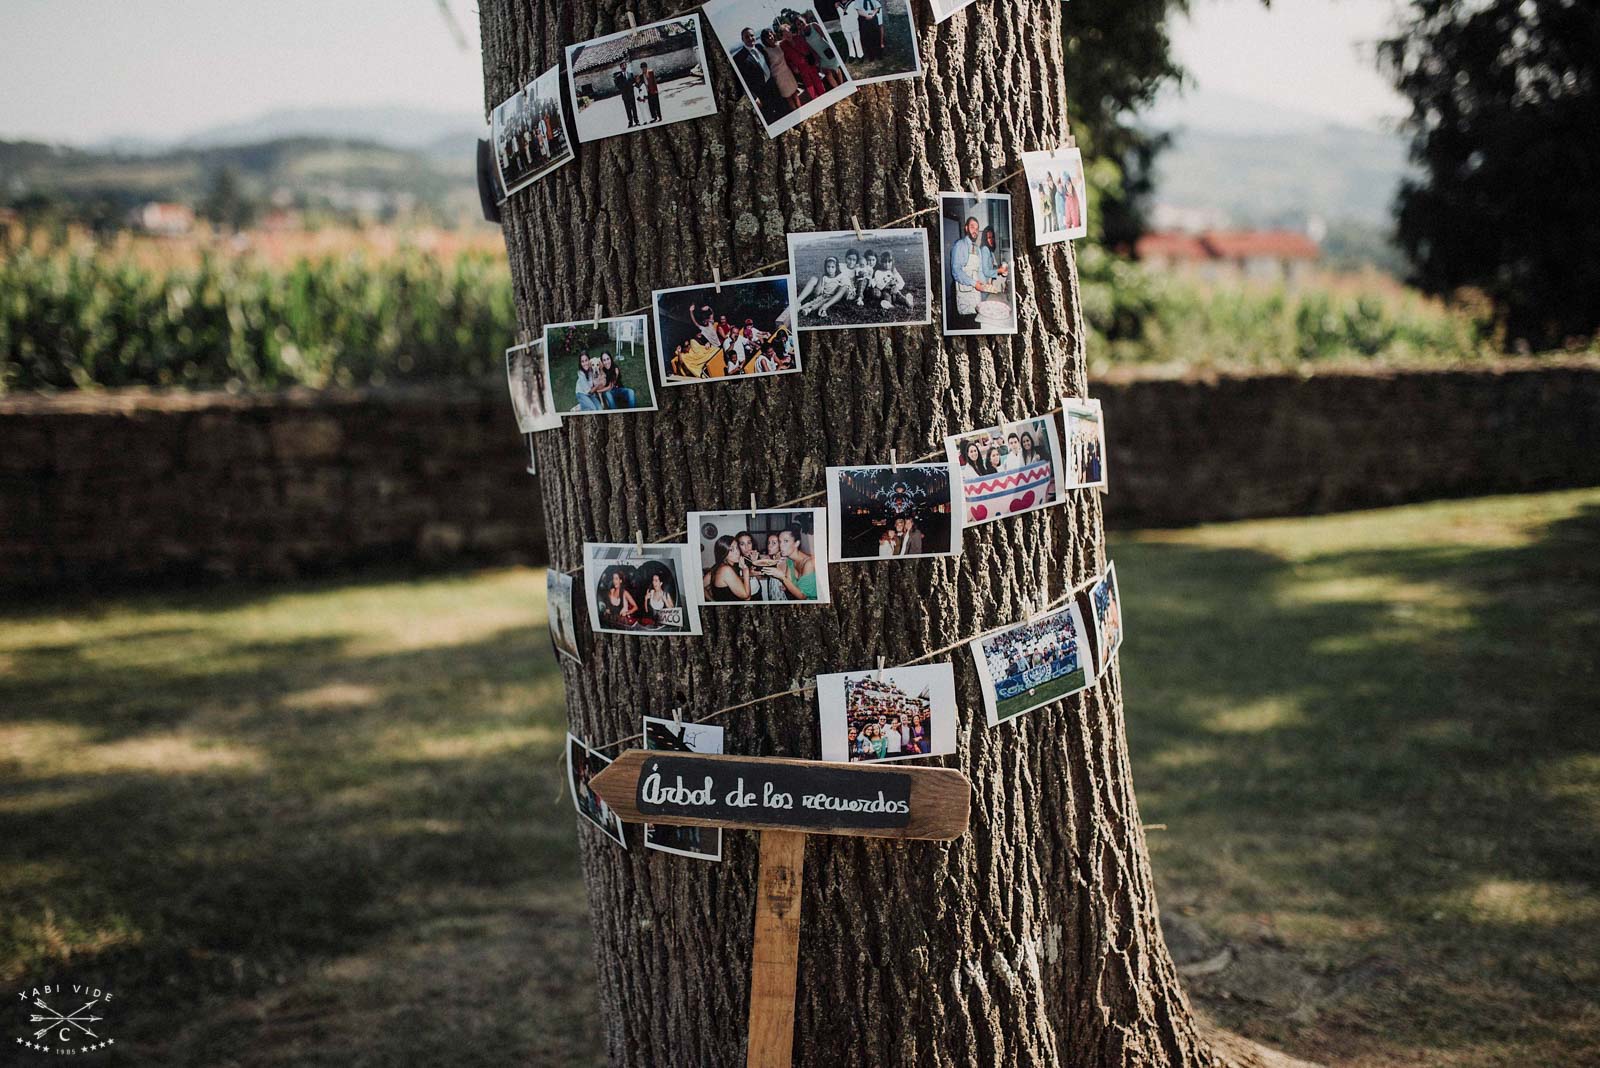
(1034, 939)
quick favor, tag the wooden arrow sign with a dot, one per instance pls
(785, 800)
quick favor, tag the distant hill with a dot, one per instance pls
(395, 126)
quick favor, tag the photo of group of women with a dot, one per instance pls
(1106, 603)
(877, 37)
(633, 589)
(888, 512)
(980, 294)
(599, 366)
(739, 330)
(784, 57)
(563, 614)
(1086, 443)
(702, 843)
(1007, 469)
(1056, 194)
(763, 557)
(651, 75)
(898, 713)
(529, 383)
(583, 764)
(1032, 664)
(529, 131)
(846, 278)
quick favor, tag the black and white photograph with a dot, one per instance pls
(1105, 600)
(741, 330)
(529, 382)
(563, 611)
(784, 58)
(888, 512)
(583, 764)
(653, 75)
(844, 279)
(1032, 664)
(1056, 194)
(898, 713)
(943, 9)
(632, 589)
(979, 290)
(1085, 444)
(600, 366)
(529, 131)
(764, 557)
(878, 38)
(702, 843)
(1007, 469)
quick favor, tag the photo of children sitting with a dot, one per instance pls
(849, 279)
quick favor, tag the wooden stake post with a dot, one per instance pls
(785, 800)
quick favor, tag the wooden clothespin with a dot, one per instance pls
(1072, 142)
(597, 315)
(524, 336)
(638, 542)
(752, 506)
(894, 461)
(677, 716)
(880, 668)
(855, 221)
(627, 16)
(716, 278)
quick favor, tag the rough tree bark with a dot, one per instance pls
(1033, 940)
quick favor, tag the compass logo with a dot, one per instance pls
(65, 1018)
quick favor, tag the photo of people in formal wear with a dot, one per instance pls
(654, 75)
(878, 38)
(600, 366)
(943, 9)
(701, 843)
(1032, 664)
(844, 279)
(738, 331)
(1007, 469)
(1056, 194)
(1106, 602)
(529, 132)
(785, 60)
(980, 294)
(898, 713)
(633, 589)
(529, 382)
(762, 557)
(1085, 443)
(583, 764)
(558, 591)
(892, 512)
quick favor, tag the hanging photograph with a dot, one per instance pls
(583, 764)
(650, 76)
(784, 57)
(529, 131)
(979, 293)
(1106, 601)
(1086, 443)
(878, 513)
(1032, 664)
(702, 843)
(763, 557)
(563, 614)
(530, 388)
(875, 278)
(742, 332)
(899, 713)
(1007, 469)
(878, 38)
(1057, 194)
(599, 366)
(943, 9)
(641, 590)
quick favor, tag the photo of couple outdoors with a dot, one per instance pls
(1032, 664)
(1086, 443)
(742, 331)
(639, 590)
(1106, 602)
(1007, 469)
(1056, 193)
(979, 296)
(898, 713)
(530, 133)
(583, 764)
(599, 366)
(872, 278)
(640, 77)
(877, 37)
(784, 57)
(876, 513)
(773, 557)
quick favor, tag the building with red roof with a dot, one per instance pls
(1264, 255)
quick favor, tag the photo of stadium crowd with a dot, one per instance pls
(1032, 664)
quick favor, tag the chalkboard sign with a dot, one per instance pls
(771, 794)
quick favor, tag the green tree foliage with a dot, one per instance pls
(1505, 125)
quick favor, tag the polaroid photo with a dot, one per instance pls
(529, 382)
(563, 611)
(1106, 601)
(1007, 469)
(880, 513)
(878, 38)
(943, 9)
(899, 713)
(743, 331)
(702, 843)
(1032, 664)
(1057, 195)
(599, 366)
(634, 590)
(784, 57)
(764, 557)
(874, 278)
(640, 77)
(1086, 443)
(529, 132)
(980, 295)
(583, 764)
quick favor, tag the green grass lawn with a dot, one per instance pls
(324, 824)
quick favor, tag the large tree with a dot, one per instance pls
(1032, 940)
(1505, 129)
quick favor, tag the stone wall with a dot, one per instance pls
(139, 486)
